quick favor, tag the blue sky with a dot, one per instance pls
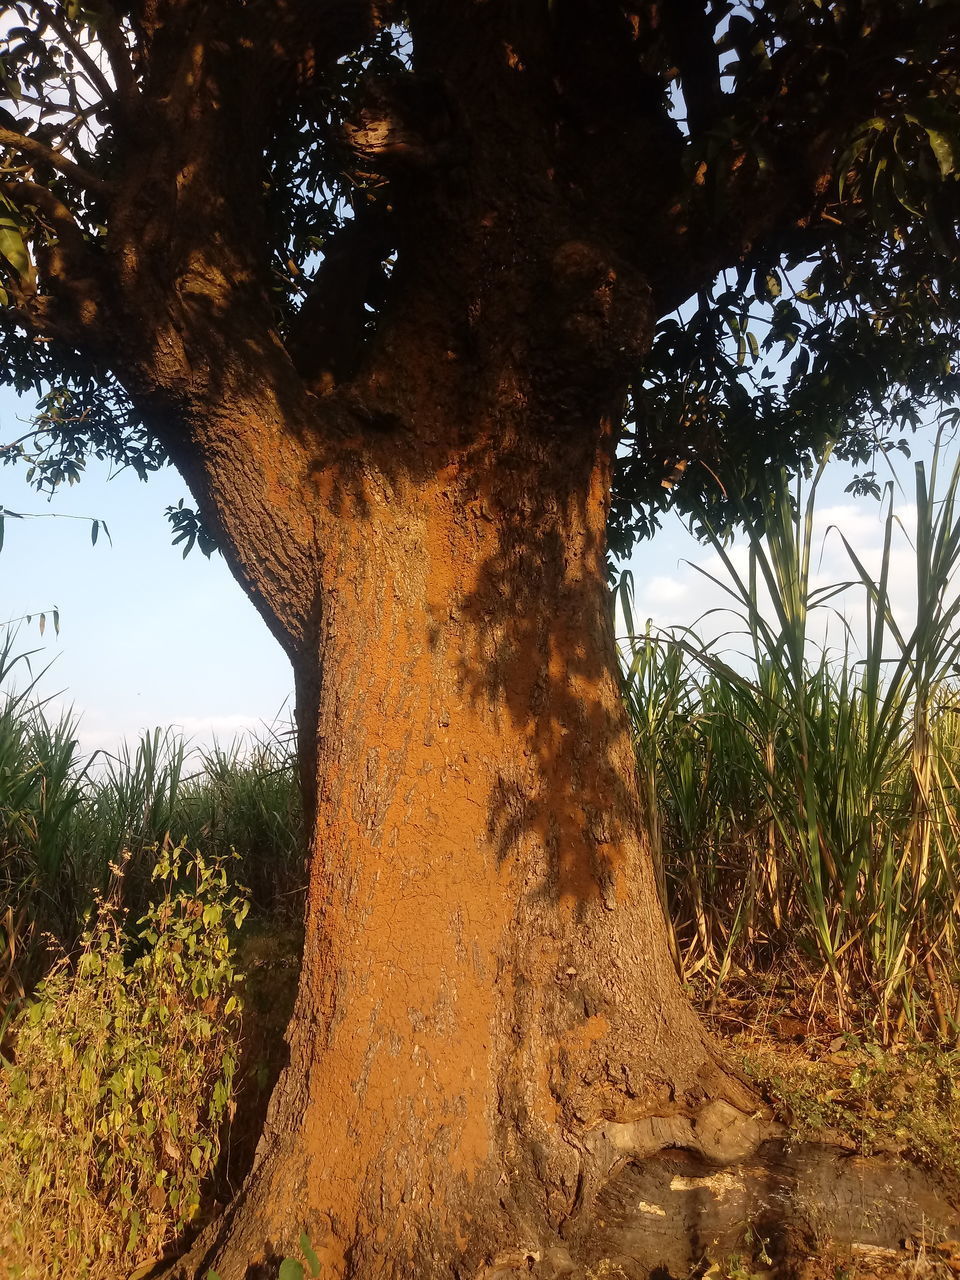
(148, 638)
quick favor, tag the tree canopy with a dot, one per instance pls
(785, 171)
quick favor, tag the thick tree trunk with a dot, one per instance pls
(488, 1019)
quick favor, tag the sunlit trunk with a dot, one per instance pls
(488, 1017)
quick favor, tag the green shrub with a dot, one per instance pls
(121, 1076)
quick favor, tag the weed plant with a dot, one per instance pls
(807, 799)
(120, 1077)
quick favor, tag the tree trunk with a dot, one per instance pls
(488, 1020)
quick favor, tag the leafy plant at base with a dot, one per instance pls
(121, 1077)
(291, 1268)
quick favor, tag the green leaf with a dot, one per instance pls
(95, 532)
(942, 147)
(13, 246)
(941, 129)
(291, 1269)
(308, 1252)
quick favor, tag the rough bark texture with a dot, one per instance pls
(488, 1020)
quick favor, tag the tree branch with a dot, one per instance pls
(42, 154)
(55, 214)
(313, 34)
(191, 327)
(110, 35)
(97, 78)
(73, 309)
(326, 335)
(691, 42)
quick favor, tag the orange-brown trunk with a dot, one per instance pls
(488, 1017)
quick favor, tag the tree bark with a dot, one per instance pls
(488, 1021)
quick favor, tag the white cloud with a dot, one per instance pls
(661, 590)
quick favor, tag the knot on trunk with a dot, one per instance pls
(602, 312)
(404, 121)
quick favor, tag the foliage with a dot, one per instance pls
(812, 802)
(806, 159)
(840, 329)
(121, 1077)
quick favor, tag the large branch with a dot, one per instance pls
(326, 335)
(34, 150)
(311, 35)
(67, 301)
(690, 35)
(199, 351)
(247, 450)
(110, 35)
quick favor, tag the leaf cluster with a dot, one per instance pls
(816, 149)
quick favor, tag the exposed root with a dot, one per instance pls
(719, 1132)
(672, 1193)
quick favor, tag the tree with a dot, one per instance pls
(396, 288)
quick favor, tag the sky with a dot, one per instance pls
(149, 638)
(146, 637)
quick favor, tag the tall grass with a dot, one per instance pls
(65, 818)
(805, 800)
